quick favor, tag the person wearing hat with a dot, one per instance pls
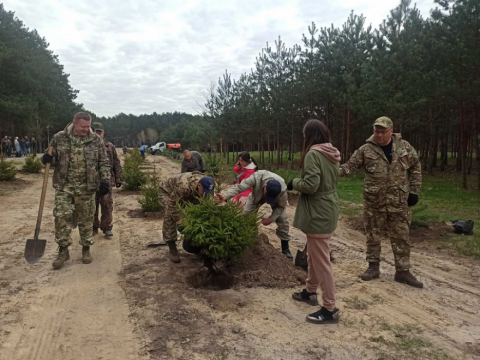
(181, 188)
(267, 187)
(106, 201)
(393, 177)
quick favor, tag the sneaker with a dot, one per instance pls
(305, 296)
(406, 277)
(323, 316)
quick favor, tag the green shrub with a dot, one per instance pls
(33, 164)
(7, 169)
(150, 202)
(223, 232)
(133, 177)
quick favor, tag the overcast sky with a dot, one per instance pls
(152, 55)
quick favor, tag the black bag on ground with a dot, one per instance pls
(463, 226)
(301, 259)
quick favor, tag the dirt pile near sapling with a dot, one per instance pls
(261, 266)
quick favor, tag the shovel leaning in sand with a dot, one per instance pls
(35, 248)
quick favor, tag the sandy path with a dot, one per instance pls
(78, 312)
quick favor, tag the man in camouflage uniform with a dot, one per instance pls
(183, 188)
(106, 201)
(80, 167)
(393, 177)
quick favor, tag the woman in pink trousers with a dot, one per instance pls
(317, 216)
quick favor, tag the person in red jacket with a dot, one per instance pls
(245, 167)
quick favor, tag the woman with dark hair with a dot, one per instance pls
(245, 167)
(317, 216)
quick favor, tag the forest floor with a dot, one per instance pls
(131, 302)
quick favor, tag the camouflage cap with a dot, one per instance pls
(98, 126)
(384, 122)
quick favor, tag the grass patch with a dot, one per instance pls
(356, 303)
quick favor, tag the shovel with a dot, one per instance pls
(35, 247)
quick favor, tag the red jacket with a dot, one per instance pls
(244, 173)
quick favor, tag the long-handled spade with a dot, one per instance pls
(35, 248)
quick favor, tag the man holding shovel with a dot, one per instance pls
(81, 168)
(267, 187)
(106, 201)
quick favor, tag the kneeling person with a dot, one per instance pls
(183, 188)
(267, 187)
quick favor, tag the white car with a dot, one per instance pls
(161, 146)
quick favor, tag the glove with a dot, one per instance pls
(118, 185)
(290, 185)
(412, 199)
(47, 159)
(104, 188)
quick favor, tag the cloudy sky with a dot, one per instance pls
(152, 55)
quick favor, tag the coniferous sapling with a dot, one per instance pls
(222, 232)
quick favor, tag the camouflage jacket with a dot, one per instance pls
(6, 144)
(387, 185)
(98, 168)
(115, 166)
(181, 188)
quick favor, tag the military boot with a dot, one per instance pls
(108, 233)
(286, 249)
(173, 254)
(373, 272)
(63, 255)
(86, 256)
(406, 277)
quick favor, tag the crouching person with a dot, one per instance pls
(81, 168)
(183, 188)
(267, 187)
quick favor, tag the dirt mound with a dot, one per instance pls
(261, 266)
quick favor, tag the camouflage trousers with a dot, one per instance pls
(172, 215)
(283, 228)
(84, 206)
(398, 225)
(106, 203)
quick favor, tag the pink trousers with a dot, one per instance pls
(320, 272)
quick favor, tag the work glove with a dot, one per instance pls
(412, 199)
(118, 185)
(104, 188)
(290, 185)
(47, 159)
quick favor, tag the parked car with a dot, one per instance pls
(161, 146)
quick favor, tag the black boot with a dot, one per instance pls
(173, 255)
(286, 249)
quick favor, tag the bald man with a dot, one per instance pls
(192, 161)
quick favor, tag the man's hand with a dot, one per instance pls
(118, 185)
(266, 221)
(412, 199)
(47, 159)
(290, 185)
(220, 198)
(104, 188)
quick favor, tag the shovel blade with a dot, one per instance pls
(34, 250)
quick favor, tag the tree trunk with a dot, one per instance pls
(463, 141)
(279, 159)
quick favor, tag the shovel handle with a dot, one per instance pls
(42, 198)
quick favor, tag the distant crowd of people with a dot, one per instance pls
(18, 146)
